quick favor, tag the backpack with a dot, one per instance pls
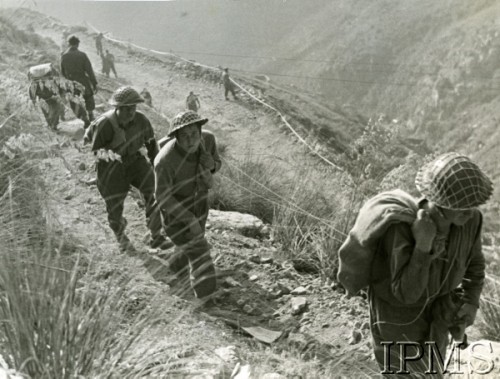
(45, 82)
(374, 218)
(42, 83)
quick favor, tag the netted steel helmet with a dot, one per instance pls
(453, 181)
(184, 119)
(125, 96)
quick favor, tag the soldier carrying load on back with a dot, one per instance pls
(45, 87)
(52, 91)
(124, 143)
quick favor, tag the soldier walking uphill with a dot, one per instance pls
(110, 61)
(228, 84)
(148, 99)
(192, 102)
(125, 146)
(98, 44)
(75, 65)
(427, 270)
(183, 173)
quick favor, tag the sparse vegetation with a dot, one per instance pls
(490, 309)
(61, 317)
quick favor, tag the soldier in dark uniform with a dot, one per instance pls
(98, 44)
(228, 84)
(124, 143)
(75, 65)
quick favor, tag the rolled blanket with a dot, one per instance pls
(358, 250)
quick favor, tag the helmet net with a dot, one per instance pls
(453, 181)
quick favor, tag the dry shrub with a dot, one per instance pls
(309, 207)
(490, 309)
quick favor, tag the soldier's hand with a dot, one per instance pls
(206, 160)
(195, 229)
(467, 313)
(424, 231)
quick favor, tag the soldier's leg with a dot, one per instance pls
(233, 93)
(201, 267)
(80, 112)
(114, 70)
(202, 270)
(62, 110)
(53, 112)
(89, 105)
(113, 185)
(45, 110)
(142, 177)
(179, 233)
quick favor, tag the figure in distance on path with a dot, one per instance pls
(192, 102)
(125, 147)
(110, 64)
(183, 173)
(228, 84)
(75, 65)
(148, 99)
(98, 44)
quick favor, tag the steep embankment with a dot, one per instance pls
(314, 322)
(432, 65)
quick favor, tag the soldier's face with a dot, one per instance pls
(126, 114)
(189, 138)
(457, 217)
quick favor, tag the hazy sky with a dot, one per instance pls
(212, 31)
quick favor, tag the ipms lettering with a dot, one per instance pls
(433, 360)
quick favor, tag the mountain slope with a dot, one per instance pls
(431, 65)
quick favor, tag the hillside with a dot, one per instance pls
(431, 65)
(278, 311)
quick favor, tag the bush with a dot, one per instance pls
(305, 205)
(490, 309)
(51, 324)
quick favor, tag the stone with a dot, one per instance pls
(272, 375)
(242, 372)
(299, 304)
(229, 281)
(299, 291)
(356, 337)
(82, 166)
(244, 224)
(262, 334)
(91, 182)
(228, 354)
(255, 258)
(266, 260)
